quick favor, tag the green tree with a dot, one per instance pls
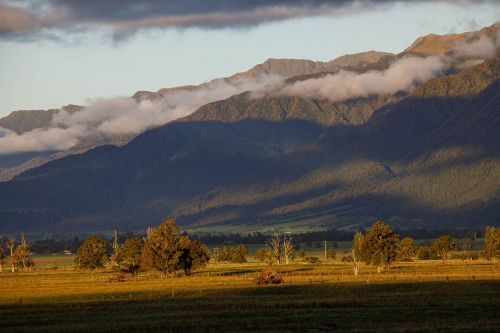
(93, 253)
(491, 243)
(240, 253)
(22, 255)
(426, 253)
(130, 252)
(331, 253)
(302, 254)
(235, 254)
(380, 246)
(263, 254)
(161, 250)
(407, 248)
(194, 254)
(443, 245)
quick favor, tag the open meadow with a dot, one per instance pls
(419, 296)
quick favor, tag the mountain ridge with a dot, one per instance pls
(230, 166)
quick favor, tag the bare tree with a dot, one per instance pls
(11, 244)
(115, 258)
(288, 249)
(274, 245)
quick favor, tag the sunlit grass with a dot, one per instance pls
(410, 296)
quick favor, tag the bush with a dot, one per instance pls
(268, 277)
(312, 260)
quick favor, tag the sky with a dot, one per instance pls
(57, 52)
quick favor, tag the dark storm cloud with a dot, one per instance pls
(23, 19)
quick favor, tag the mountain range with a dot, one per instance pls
(424, 158)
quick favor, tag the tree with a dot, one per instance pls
(331, 253)
(302, 254)
(239, 254)
(116, 257)
(22, 255)
(263, 254)
(407, 248)
(160, 250)
(288, 249)
(274, 245)
(130, 252)
(380, 246)
(426, 252)
(194, 254)
(356, 251)
(236, 254)
(2, 254)
(491, 243)
(443, 245)
(11, 244)
(92, 253)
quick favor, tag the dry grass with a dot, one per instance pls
(415, 296)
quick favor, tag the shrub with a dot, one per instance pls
(312, 260)
(268, 277)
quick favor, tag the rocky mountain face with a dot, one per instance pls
(250, 163)
(433, 44)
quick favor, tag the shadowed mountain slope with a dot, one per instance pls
(250, 163)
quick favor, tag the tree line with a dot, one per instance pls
(165, 249)
(381, 246)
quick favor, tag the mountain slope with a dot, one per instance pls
(252, 163)
(292, 69)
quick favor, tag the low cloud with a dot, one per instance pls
(404, 75)
(484, 47)
(104, 118)
(47, 139)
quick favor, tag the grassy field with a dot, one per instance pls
(410, 297)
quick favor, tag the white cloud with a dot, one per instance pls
(48, 139)
(484, 47)
(123, 115)
(404, 75)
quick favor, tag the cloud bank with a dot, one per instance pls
(403, 75)
(105, 118)
(484, 47)
(29, 19)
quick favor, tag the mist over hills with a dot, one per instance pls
(426, 157)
